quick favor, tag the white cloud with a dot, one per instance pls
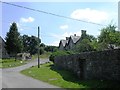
(66, 34)
(64, 27)
(27, 20)
(55, 43)
(90, 15)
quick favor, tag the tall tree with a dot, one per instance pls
(13, 41)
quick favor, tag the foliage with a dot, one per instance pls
(30, 44)
(46, 55)
(42, 45)
(13, 40)
(51, 48)
(84, 46)
(107, 39)
(41, 50)
(109, 36)
(59, 53)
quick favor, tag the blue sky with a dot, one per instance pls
(54, 28)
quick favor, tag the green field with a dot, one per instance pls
(65, 79)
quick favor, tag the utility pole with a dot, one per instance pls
(38, 48)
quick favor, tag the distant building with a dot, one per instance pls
(3, 51)
(71, 41)
(23, 56)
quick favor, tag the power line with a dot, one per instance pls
(51, 13)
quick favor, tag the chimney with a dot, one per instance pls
(67, 38)
(74, 34)
(83, 32)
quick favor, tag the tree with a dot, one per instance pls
(30, 44)
(51, 48)
(13, 40)
(33, 45)
(42, 45)
(41, 50)
(84, 46)
(26, 43)
(109, 36)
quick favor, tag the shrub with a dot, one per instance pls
(59, 53)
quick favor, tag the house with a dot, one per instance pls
(23, 56)
(3, 51)
(71, 41)
(62, 44)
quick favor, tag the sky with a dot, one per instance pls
(53, 28)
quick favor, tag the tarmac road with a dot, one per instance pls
(11, 78)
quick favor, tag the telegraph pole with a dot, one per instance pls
(38, 48)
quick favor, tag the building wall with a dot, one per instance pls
(3, 51)
(61, 47)
(92, 65)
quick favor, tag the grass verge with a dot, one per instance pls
(0, 63)
(65, 79)
(8, 63)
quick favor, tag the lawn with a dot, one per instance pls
(65, 79)
(7, 63)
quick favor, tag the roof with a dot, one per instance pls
(63, 42)
(75, 38)
(66, 42)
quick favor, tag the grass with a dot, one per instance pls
(0, 63)
(43, 56)
(8, 63)
(65, 79)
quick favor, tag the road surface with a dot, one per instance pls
(11, 78)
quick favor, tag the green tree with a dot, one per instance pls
(13, 40)
(30, 44)
(33, 45)
(51, 48)
(109, 36)
(41, 50)
(26, 42)
(84, 46)
(42, 45)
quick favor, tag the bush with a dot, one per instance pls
(59, 53)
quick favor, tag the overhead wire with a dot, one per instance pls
(45, 12)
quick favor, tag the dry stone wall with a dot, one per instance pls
(103, 65)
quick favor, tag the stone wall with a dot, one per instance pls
(92, 65)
